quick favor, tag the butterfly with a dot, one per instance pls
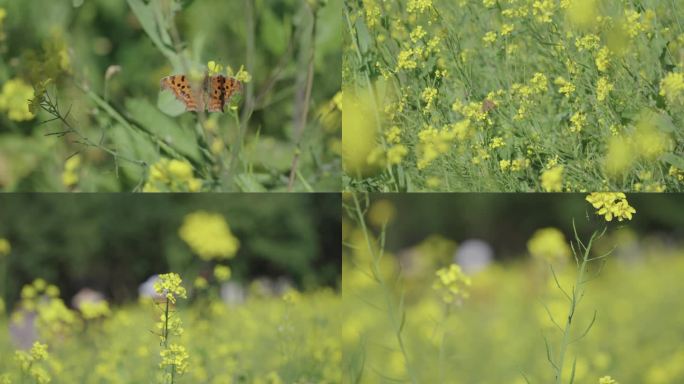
(214, 92)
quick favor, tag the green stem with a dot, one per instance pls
(577, 293)
(396, 323)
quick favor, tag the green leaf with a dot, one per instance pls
(148, 17)
(673, 159)
(169, 104)
(164, 128)
(665, 123)
(130, 143)
(273, 32)
(77, 3)
(247, 182)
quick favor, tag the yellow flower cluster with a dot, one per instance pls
(170, 286)
(588, 42)
(29, 362)
(552, 179)
(92, 310)
(176, 358)
(543, 10)
(5, 247)
(222, 272)
(672, 87)
(209, 235)
(566, 88)
(70, 175)
(172, 175)
(451, 284)
(515, 165)
(429, 94)
(433, 142)
(577, 121)
(607, 380)
(419, 6)
(611, 205)
(603, 59)
(549, 244)
(373, 13)
(14, 100)
(603, 89)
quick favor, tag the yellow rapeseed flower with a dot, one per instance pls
(549, 244)
(552, 179)
(611, 205)
(672, 87)
(14, 100)
(175, 356)
(209, 235)
(5, 247)
(451, 284)
(169, 286)
(222, 272)
(603, 88)
(607, 380)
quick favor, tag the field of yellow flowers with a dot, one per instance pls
(431, 310)
(163, 290)
(289, 339)
(513, 95)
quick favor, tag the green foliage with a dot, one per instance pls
(114, 242)
(95, 67)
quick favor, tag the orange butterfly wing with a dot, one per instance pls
(221, 89)
(180, 87)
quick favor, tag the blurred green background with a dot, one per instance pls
(75, 43)
(506, 221)
(113, 242)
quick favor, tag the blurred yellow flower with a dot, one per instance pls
(200, 282)
(603, 88)
(607, 380)
(14, 99)
(548, 244)
(70, 175)
(172, 175)
(222, 272)
(611, 204)
(418, 6)
(451, 284)
(91, 310)
(5, 247)
(381, 212)
(582, 13)
(672, 87)
(619, 157)
(209, 235)
(359, 132)
(214, 68)
(552, 179)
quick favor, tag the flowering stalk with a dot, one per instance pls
(574, 297)
(451, 285)
(174, 356)
(395, 312)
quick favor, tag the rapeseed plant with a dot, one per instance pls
(588, 73)
(174, 357)
(609, 205)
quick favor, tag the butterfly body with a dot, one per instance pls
(211, 94)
